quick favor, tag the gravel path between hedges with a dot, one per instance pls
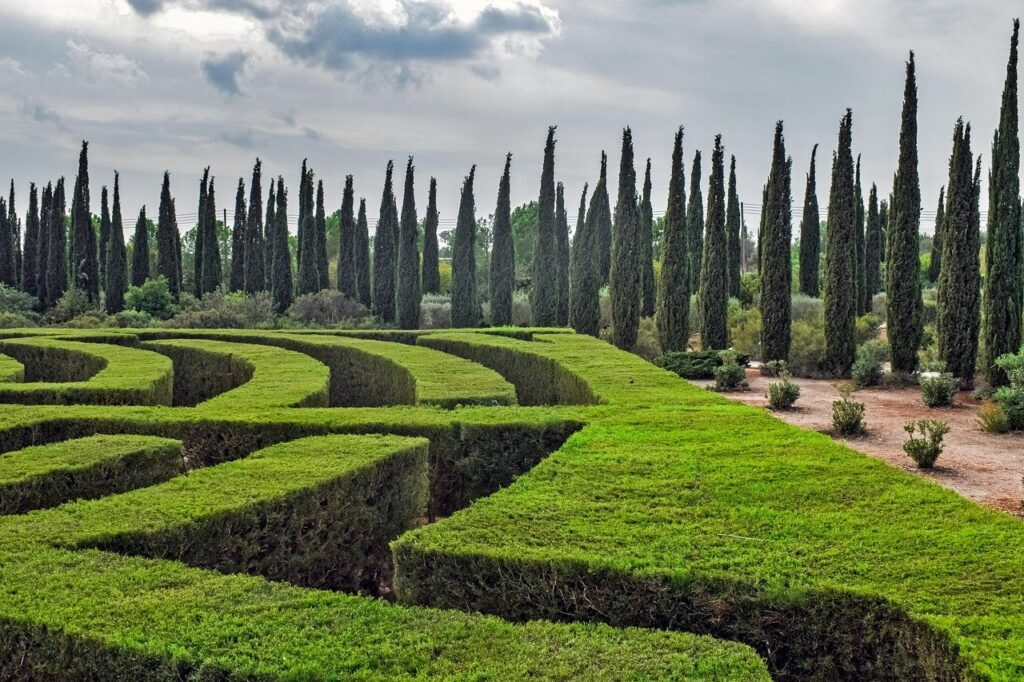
(984, 467)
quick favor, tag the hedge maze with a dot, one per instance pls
(487, 504)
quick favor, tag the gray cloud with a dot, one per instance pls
(146, 7)
(222, 71)
(239, 138)
(39, 112)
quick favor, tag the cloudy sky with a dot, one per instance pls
(181, 84)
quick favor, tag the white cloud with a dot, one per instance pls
(85, 61)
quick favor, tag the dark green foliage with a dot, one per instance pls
(270, 236)
(465, 300)
(43, 245)
(197, 276)
(322, 262)
(85, 273)
(236, 281)
(959, 279)
(585, 280)
(700, 364)
(8, 257)
(362, 255)
(503, 266)
(810, 235)
(211, 272)
(624, 280)
(883, 221)
(282, 266)
(903, 284)
(935, 264)
(776, 268)
(407, 303)
(1003, 248)
(308, 273)
(873, 247)
(863, 299)
(840, 260)
(15, 227)
(117, 257)
(562, 242)
(602, 223)
(56, 260)
(166, 240)
(695, 224)
(140, 251)
(385, 254)
(544, 291)
(347, 242)
(733, 222)
(30, 254)
(104, 235)
(256, 270)
(714, 289)
(645, 244)
(303, 210)
(431, 268)
(673, 316)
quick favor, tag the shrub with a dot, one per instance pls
(521, 311)
(71, 305)
(745, 329)
(847, 414)
(731, 375)
(750, 288)
(926, 449)
(699, 364)
(435, 312)
(16, 302)
(937, 388)
(805, 308)
(782, 394)
(132, 318)
(14, 320)
(1011, 398)
(774, 368)
(606, 309)
(867, 368)
(94, 319)
(647, 344)
(880, 305)
(806, 349)
(992, 419)
(228, 311)
(153, 297)
(325, 308)
(867, 328)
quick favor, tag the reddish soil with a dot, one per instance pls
(985, 467)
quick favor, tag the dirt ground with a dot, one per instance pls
(984, 467)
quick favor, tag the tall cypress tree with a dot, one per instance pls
(645, 235)
(347, 242)
(57, 260)
(176, 238)
(236, 281)
(104, 235)
(43, 245)
(840, 259)
(872, 247)
(544, 292)
(903, 285)
(1003, 249)
(211, 270)
(935, 264)
(270, 236)
(85, 273)
(714, 290)
(883, 223)
(602, 222)
(776, 275)
(585, 280)
(673, 316)
(305, 187)
(465, 300)
(624, 280)
(15, 223)
(958, 294)
(8, 259)
(322, 263)
(385, 254)
(407, 304)
(695, 224)
(562, 244)
(502, 273)
(255, 279)
(197, 274)
(733, 222)
(117, 257)
(362, 256)
(431, 266)
(858, 198)
(166, 246)
(30, 254)
(140, 251)
(810, 235)
(282, 265)
(309, 277)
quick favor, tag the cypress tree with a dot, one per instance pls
(544, 292)
(237, 278)
(858, 198)
(117, 257)
(43, 245)
(776, 276)
(958, 294)
(645, 236)
(211, 270)
(166, 245)
(256, 270)
(362, 256)
(714, 290)
(269, 236)
(309, 278)
(673, 316)
(176, 237)
(347, 242)
(562, 243)
(8, 259)
(384, 253)
(305, 185)
(695, 224)
(15, 223)
(282, 265)
(104, 235)
(502, 273)
(140, 253)
(57, 261)
(585, 280)
(840, 259)
(407, 304)
(465, 301)
(431, 267)
(810, 235)
(322, 263)
(30, 254)
(733, 222)
(935, 264)
(602, 222)
(883, 224)
(903, 285)
(1003, 275)
(197, 274)
(760, 227)
(625, 280)
(85, 268)
(872, 247)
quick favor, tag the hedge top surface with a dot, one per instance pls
(10, 369)
(73, 455)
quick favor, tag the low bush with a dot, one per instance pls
(745, 329)
(72, 304)
(807, 309)
(937, 387)
(522, 313)
(435, 312)
(867, 368)
(134, 319)
(926, 449)
(235, 310)
(992, 419)
(867, 328)
(782, 394)
(16, 320)
(750, 288)
(847, 414)
(1011, 398)
(14, 301)
(774, 368)
(326, 308)
(699, 364)
(806, 349)
(730, 375)
(647, 344)
(153, 298)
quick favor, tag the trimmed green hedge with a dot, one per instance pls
(47, 475)
(11, 370)
(64, 372)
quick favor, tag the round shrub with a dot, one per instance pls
(937, 388)
(926, 449)
(867, 368)
(847, 414)
(326, 308)
(782, 394)
(992, 419)
(153, 298)
(867, 328)
(730, 376)
(806, 349)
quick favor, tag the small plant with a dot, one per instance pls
(730, 376)
(1011, 398)
(937, 387)
(153, 298)
(926, 449)
(992, 419)
(696, 364)
(867, 369)
(774, 368)
(782, 394)
(867, 328)
(847, 414)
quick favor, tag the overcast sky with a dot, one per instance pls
(181, 84)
